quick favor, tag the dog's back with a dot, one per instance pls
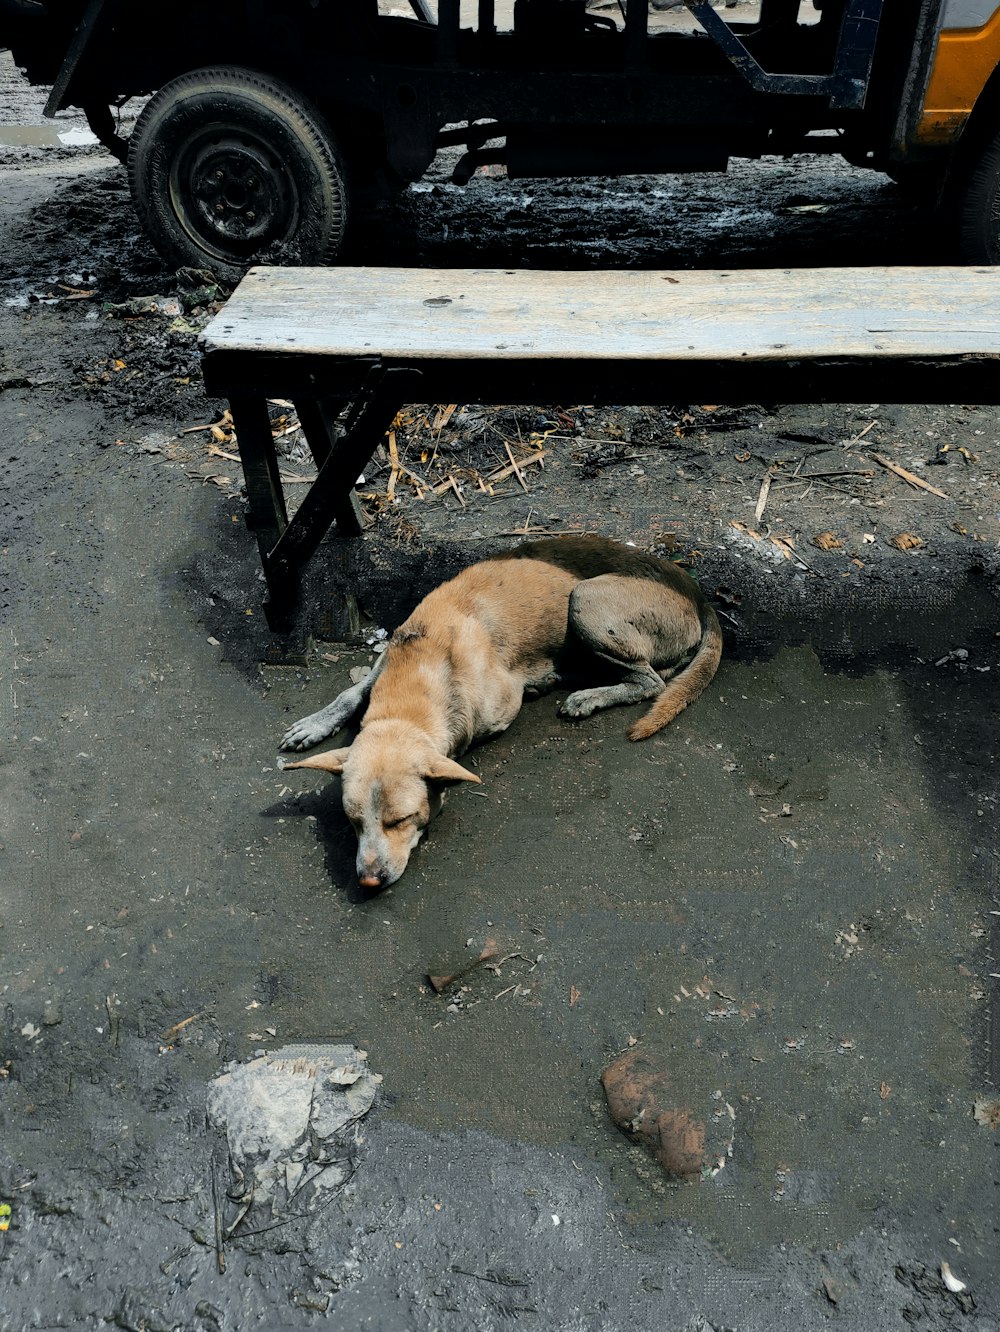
(591, 556)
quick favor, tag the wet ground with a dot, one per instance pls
(787, 900)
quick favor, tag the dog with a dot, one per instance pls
(456, 672)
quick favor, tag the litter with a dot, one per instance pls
(906, 541)
(441, 983)
(290, 1120)
(954, 1284)
(987, 1113)
(827, 541)
(146, 305)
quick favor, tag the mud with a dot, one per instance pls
(786, 897)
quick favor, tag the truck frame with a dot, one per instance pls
(267, 122)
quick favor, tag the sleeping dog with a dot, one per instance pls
(560, 610)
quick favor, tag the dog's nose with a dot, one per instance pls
(371, 879)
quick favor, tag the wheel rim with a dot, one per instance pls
(231, 192)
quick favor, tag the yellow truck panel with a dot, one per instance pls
(968, 51)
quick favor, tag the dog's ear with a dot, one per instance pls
(442, 769)
(332, 760)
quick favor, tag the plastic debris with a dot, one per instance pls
(290, 1119)
(954, 1284)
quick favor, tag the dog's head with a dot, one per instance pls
(393, 782)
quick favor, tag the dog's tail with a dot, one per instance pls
(685, 687)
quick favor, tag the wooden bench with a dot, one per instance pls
(372, 339)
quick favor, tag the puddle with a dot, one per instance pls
(73, 285)
(46, 136)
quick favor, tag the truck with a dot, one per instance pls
(267, 124)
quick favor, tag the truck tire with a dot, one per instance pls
(229, 168)
(979, 208)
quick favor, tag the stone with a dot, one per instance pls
(691, 1137)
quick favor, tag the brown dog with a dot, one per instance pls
(457, 671)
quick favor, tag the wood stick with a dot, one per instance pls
(394, 460)
(443, 416)
(857, 438)
(502, 473)
(765, 487)
(173, 1032)
(517, 471)
(816, 475)
(418, 481)
(220, 1251)
(908, 477)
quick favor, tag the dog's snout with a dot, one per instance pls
(373, 873)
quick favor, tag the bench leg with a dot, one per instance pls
(268, 516)
(330, 498)
(316, 418)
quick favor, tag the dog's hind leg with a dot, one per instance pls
(641, 682)
(635, 627)
(542, 684)
(309, 731)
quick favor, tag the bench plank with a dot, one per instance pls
(416, 315)
(374, 338)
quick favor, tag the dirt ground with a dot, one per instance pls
(788, 901)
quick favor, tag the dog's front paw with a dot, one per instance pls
(580, 704)
(306, 732)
